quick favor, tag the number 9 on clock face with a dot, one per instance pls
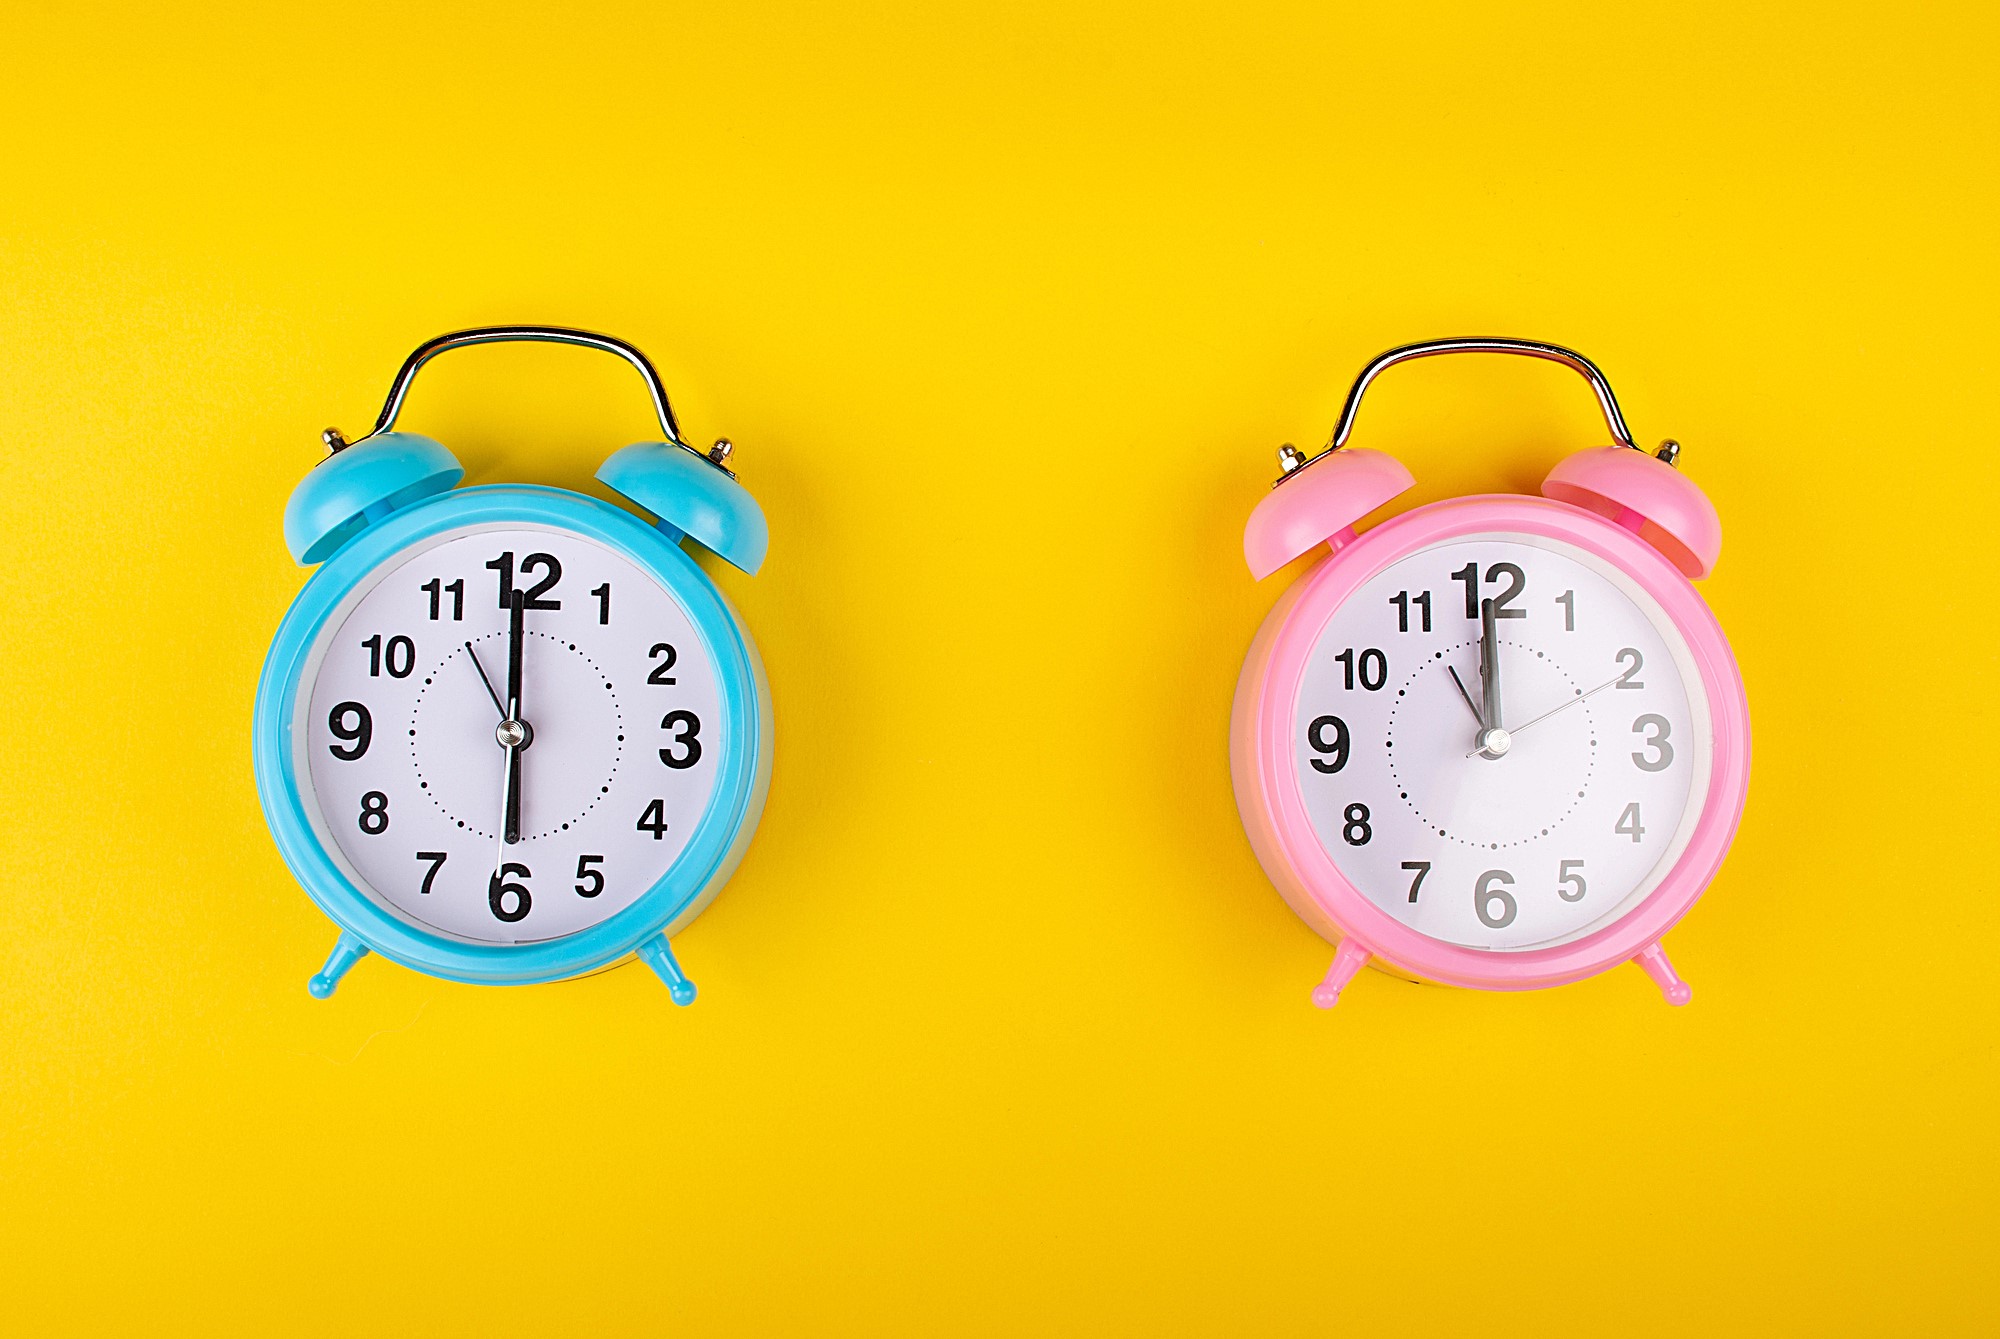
(418, 680)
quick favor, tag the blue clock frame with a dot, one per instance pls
(370, 502)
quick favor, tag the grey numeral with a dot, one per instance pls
(1659, 753)
(1485, 896)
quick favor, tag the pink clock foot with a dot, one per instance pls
(1348, 959)
(1653, 959)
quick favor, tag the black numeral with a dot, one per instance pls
(659, 674)
(374, 819)
(501, 886)
(1336, 748)
(590, 882)
(1630, 679)
(359, 733)
(1356, 832)
(1420, 868)
(1403, 600)
(437, 863)
(1517, 582)
(435, 588)
(686, 729)
(654, 820)
(603, 594)
(1486, 894)
(546, 562)
(1372, 668)
(400, 651)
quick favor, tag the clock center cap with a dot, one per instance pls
(514, 734)
(1494, 743)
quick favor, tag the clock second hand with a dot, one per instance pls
(1556, 711)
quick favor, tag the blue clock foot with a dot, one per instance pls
(346, 953)
(656, 955)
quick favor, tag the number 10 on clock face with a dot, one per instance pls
(458, 645)
(1501, 741)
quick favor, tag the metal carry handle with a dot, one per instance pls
(545, 334)
(1555, 353)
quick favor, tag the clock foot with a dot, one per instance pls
(346, 952)
(656, 955)
(1653, 959)
(1348, 959)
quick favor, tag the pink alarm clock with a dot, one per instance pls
(1497, 741)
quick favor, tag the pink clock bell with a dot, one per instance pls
(1497, 741)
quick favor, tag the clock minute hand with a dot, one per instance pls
(1489, 667)
(1493, 741)
(514, 732)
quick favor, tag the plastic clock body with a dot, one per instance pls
(1498, 741)
(512, 734)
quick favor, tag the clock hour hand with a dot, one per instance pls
(498, 705)
(1466, 697)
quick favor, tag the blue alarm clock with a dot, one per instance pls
(511, 734)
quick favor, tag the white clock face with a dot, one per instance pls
(401, 737)
(1520, 808)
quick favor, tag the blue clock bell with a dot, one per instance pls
(511, 734)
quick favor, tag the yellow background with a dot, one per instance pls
(1002, 1030)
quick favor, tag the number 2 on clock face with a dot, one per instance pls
(1581, 802)
(398, 727)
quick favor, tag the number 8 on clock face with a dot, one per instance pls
(511, 734)
(1497, 741)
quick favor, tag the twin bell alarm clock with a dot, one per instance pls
(510, 734)
(1496, 741)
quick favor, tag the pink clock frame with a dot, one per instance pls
(1616, 503)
